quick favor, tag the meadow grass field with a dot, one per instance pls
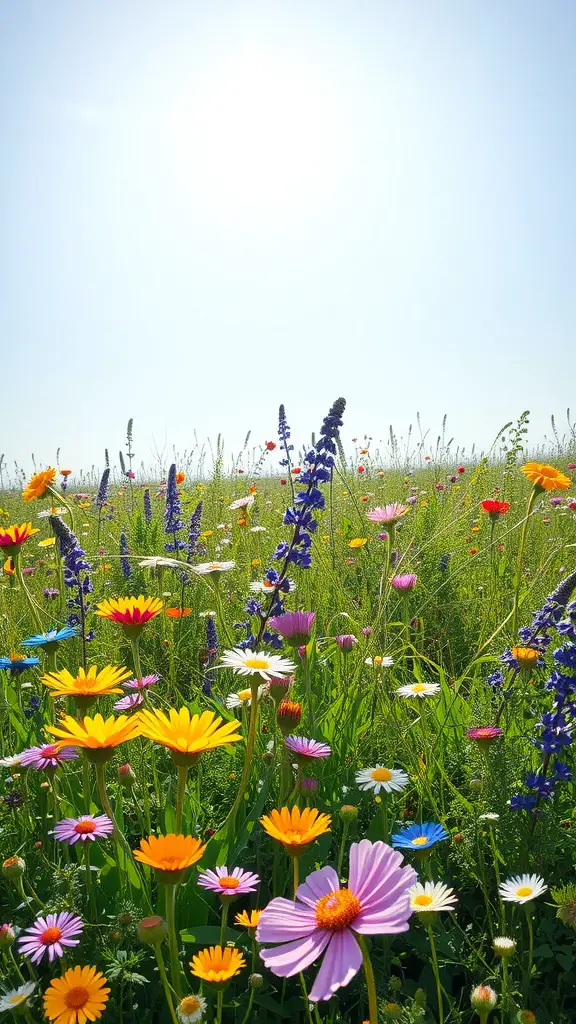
(291, 740)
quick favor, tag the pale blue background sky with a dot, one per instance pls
(212, 207)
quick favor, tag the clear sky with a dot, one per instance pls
(212, 207)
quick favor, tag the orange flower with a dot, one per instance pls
(65, 472)
(12, 537)
(545, 477)
(296, 829)
(170, 855)
(178, 613)
(96, 736)
(36, 486)
(216, 964)
(248, 918)
(525, 656)
(9, 568)
(180, 478)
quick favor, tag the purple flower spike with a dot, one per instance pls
(49, 935)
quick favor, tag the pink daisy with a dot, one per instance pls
(301, 746)
(404, 581)
(47, 756)
(228, 884)
(70, 830)
(387, 514)
(293, 626)
(346, 641)
(484, 734)
(141, 684)
(49, 935)
(324, 917)
(131, 700)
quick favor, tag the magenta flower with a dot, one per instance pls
(346, 641)
(367, 630)
(556, 501)
(70, 830)
(131, 700)
(324, 917)
(293, 626)
(387, 514)
(49, 935)
(228, 884)
(412, 499)
(141, 684)
(383, 535)
(405, 581)
(484, 734)
(301, 746)
(47, 756)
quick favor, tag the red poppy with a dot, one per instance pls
(178, 613)
(461, 469)
(296, 470)
(473, 551)
(361, 469)
(283, 482)
(496, 508)
(572, 506)
(270, 445)
(180, 478)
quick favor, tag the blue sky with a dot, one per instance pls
(210, 208)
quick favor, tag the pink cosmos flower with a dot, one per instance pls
(484, 733)
(387, 514)
(132, 700)
(301, 746)
(47, 756)
(141, 684)
(324, 917)
(227, 883)
(346, 641)
(49, 935)
(293, 626)
(70, 830)
(405, 581)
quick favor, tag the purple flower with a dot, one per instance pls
(301, 746)
(47, 756)
(556, 501)
(132, 700)
(324, 917)
(228, 884)
(346, 641)
(404, 581)
(49, 935)
(51, 593)
(173, 513)
(102, 496)
(141, 684)
(124, 562)
(90, 827)
(147, 506)
(293, 626)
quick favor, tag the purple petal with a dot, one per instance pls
(292, 957)
(319, 883)
(341, 962)
(376, 874)
(283, 920)
(381, 922)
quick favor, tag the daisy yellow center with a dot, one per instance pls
(419, 841)
(377, 660)
(229, 883)
(189, 1005)
(524, 890)
(423, 900)
(293, 835)
(257, 663)
(381, 775)
(337, 910)
(418, 687)
(76, 997)
(214, 565)
(84, 828)
(17, 1000)
(50, 935)
(244, 694)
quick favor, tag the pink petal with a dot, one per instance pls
(283, 920)
(376, 873)
(383, 922)
(318, 884)
(292, 957)
(341, 962)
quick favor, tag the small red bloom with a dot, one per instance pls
(270, 445)
(461, 469)
(572, 506)
(296, 470)
(484, 733)
(283, 482)
(496, 508)
(361, 469)
(473, 551)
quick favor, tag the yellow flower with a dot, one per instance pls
(207, 533)
(255, 563)
(358, 542)
(187, 736)
(12, 537)
(296, 829)
(84, 504)
(216, 964)
(37, 485)
(170, 855)
(78, 996)
(545, 477)
(91, 685)
(131, 612)
(47, 542)
(9, 568)
(96, 736)
(525, 656)
(475, 529)
(248, 918)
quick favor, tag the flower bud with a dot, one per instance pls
(503, 946)
(152, 930)
(395, 983)
(279, 687)
(483, 999)
(288, 716)
(308, 785)
(256, 982)
(526, 1017)
(7, 935)
(14, 867)
(348, 813)
(126, 776)
(420, 998)
(125, 919)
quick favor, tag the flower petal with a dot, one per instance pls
(283, 920)
(341, 962)
(318, 884)
(292, 957)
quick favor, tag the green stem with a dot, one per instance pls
(231, 819)
(342, 848)
(533, 494)
(436, 974)
(135, 645)
(306, 1000)
(246, 1016)
(530, 956)
(182, 779)
(384, 809)
(16, 967)
(60, 498)
(224, 921)
(165, 985)
(504, 999)
(170, 891)
(295, 874)
(369, 976)
(88, 871)
(118, 835)
(219, 1006)
(28, 596)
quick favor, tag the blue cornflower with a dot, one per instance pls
(34, 705)
(147, 506)
(51, 636)
(419, 838)
(562, 772)
(543, 786)
(16, 665)
(496, 679)
(518, 802)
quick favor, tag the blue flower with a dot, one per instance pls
(102, 496)
(496, 679)
(522, 803)
(17, 665)
(147, 506)
(419, 837)
(124, 562)
(194, 530)
(51, 636)
(173, 512)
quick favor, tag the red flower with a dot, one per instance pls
(296, 470)
(496, 508)
(361, 469)
(473, 551)
(270, 445)
(283, 482)
(461, 469)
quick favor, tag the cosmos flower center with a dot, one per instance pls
(422, 900)
(244, 694)
(76, 997)
(51, 750)
(524, 890)
(419, 841)
(381, 775)
(337, 910)
(257, 663)
(228, 882)
(84, 828)
(189, 1005)
(50, 935)
(418, 687)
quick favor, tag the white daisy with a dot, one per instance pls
(11, 761)
(489, 816)
(191, 1009)
(159, 562)
(391, 780)
(207, 614)
(212, 568)
(522, 888)
(379, 661)
(243, 697)
(52, 512)
(503, 946)
(246, 502)
(247, 663)
(432, 897)
(257, 529)
(418, 690)
(17, 997)
(265, 587)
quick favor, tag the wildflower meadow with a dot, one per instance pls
(289, 736)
